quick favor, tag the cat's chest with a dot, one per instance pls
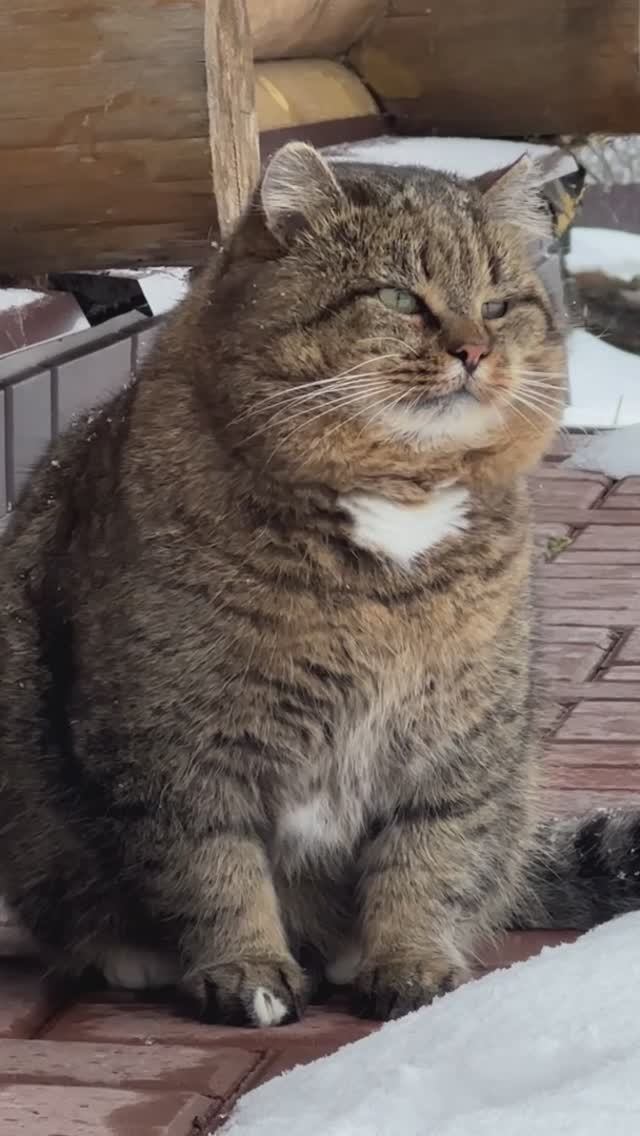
(403, 533)
(328, 816)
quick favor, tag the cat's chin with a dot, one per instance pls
(459, 418)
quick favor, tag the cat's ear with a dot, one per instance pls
(296, 186)
(513, 196)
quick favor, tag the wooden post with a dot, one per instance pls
(233, 128)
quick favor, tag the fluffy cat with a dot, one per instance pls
(265, 685)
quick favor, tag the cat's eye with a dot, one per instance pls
(399, 300)
(494, 309)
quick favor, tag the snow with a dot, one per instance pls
(163, 290)
(604, 383)
(466, 157)
(163, 287)
(550, 1047)
(604, 250)
(611, 159)
(615, 453)
(12, 298)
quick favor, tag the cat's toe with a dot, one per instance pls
(386, 993)
(255, 994)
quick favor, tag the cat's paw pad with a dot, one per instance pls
(385, 993)
(260, 993)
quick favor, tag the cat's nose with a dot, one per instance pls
(471, 354)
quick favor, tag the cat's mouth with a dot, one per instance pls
(441, 403)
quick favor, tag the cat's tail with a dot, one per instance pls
(583, 872)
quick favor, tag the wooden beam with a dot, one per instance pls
(506, 68)
(104, 135)
(233, 129)
(112, 125)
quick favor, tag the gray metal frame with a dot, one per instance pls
(61, 356)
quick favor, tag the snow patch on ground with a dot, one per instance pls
(604, 250)
(615, 453)
(550, 1047)
(467, 157)
(604, 383)
(163, 287)
(11, 298)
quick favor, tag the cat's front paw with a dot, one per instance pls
(255, 993)
(391, 991)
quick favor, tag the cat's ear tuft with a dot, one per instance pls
(513, 197)
(297, 185)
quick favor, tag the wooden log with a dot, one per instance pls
(233, 130)
(104, 128)
(104, 137)
(105, 143)
(506, 68)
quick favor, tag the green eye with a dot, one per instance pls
(494, 309)
(399, 300)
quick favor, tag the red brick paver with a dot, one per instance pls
(138, 1069)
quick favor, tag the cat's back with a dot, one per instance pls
(74, 504)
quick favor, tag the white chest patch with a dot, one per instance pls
(403, 532)
(312, 827)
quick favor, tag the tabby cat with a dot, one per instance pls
(266, 704)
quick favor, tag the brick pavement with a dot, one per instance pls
(111, 1066)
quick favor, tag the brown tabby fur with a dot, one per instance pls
(191, 644)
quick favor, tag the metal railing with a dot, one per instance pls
(53, 370)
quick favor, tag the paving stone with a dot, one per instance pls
(597, 778)
(25, 1003)
(550, 717)
(577, 802)
(623, 673)
(521, 945)
(573, 662)
(557, 472)
(140, 1024)
(550, 531)
(587, 593)
(569, 692)
(567, 566)
(619, 754)
(56, 1110)
(579, 518)
(596, 558)
(626, 488)
(613, 617)
(602, 721)
(565, 493)
(609, 537)
(212, 1071)
(629, 651)
(598, 637)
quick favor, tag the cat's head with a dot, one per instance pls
(379, 318)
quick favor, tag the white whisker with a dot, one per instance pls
(351, 374)
(340, 404)
(534, 406)
(540, 396)
(282, 413)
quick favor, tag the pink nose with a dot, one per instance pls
(471, 354)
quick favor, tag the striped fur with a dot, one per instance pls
(583, 871)
(240, 734)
